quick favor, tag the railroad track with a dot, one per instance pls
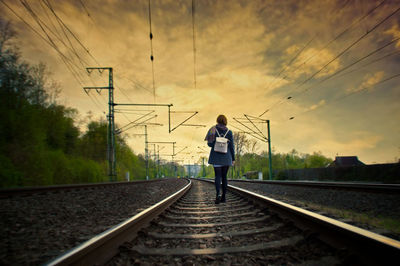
(248, 229)
(11, 192)
(352, 186)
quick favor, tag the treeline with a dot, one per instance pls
(249, 160)
(40, 142)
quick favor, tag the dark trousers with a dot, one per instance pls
(220, 175)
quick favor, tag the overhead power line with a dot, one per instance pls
(342, 33)
(290, 63)
(347, 95)
(70, 31)
(349, 47)
(64, 59)
(371, 62)
(43, 25)
(325, 46)
(151, 53)
(194, 43)
(84, 7)
(348, 66)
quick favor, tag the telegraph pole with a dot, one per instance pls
(258, 134)
(155, 163)
(269, 151)
(173, 155)
(111, 126)
(146, 152)
(158, 161)
(146, 142)
(204, 170)
(165, 142)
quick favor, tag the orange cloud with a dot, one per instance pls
(395, 32)
(368, 83)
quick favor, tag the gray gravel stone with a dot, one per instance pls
(373, 204)
(36, 228)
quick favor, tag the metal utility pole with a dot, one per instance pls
(258, 134)
(166, 142)
(173, 155)
(158, 161)
(111, 126)
(146, 152)
(269, 151)
(146, 142)
(204, 169)
(154, 161)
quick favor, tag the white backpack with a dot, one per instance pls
(221, 143)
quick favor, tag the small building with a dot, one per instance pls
(345, 161)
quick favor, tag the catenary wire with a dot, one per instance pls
(348, 66)
(71, 46)
(194, 44)
(70, 31)
(349, 47)
(151, 53)
(41, 23)
(325, 46)
(370, 63)
(66, 60)
(61, 55)
(84, 7)
(339, 35)
(347, 95)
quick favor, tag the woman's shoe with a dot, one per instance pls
(218, 199)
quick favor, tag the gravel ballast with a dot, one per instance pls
(377, 205)
(37, 228)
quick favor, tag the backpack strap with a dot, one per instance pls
(226, 133)
(219, 135)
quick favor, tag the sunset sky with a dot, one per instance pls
(337, 61)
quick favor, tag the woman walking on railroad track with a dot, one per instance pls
(222, 154)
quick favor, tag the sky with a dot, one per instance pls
(325, 73)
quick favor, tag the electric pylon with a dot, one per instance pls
(111, 127)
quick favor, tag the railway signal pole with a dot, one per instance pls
(173, 149)
(258, 134)
(146, 151)
(269, 151)
(111, 126)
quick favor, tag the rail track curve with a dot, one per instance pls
(189, 228)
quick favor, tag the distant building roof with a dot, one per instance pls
(346, 161)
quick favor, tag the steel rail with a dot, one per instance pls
(367, 187)
(373, 248)
(104, 246)
(44, 189)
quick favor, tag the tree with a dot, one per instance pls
(241, 141)
(38, 138)
(316, 160)
(93, 143)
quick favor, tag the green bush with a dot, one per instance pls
(9, 175)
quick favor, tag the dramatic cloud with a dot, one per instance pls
(251, 56)
(368, 83)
